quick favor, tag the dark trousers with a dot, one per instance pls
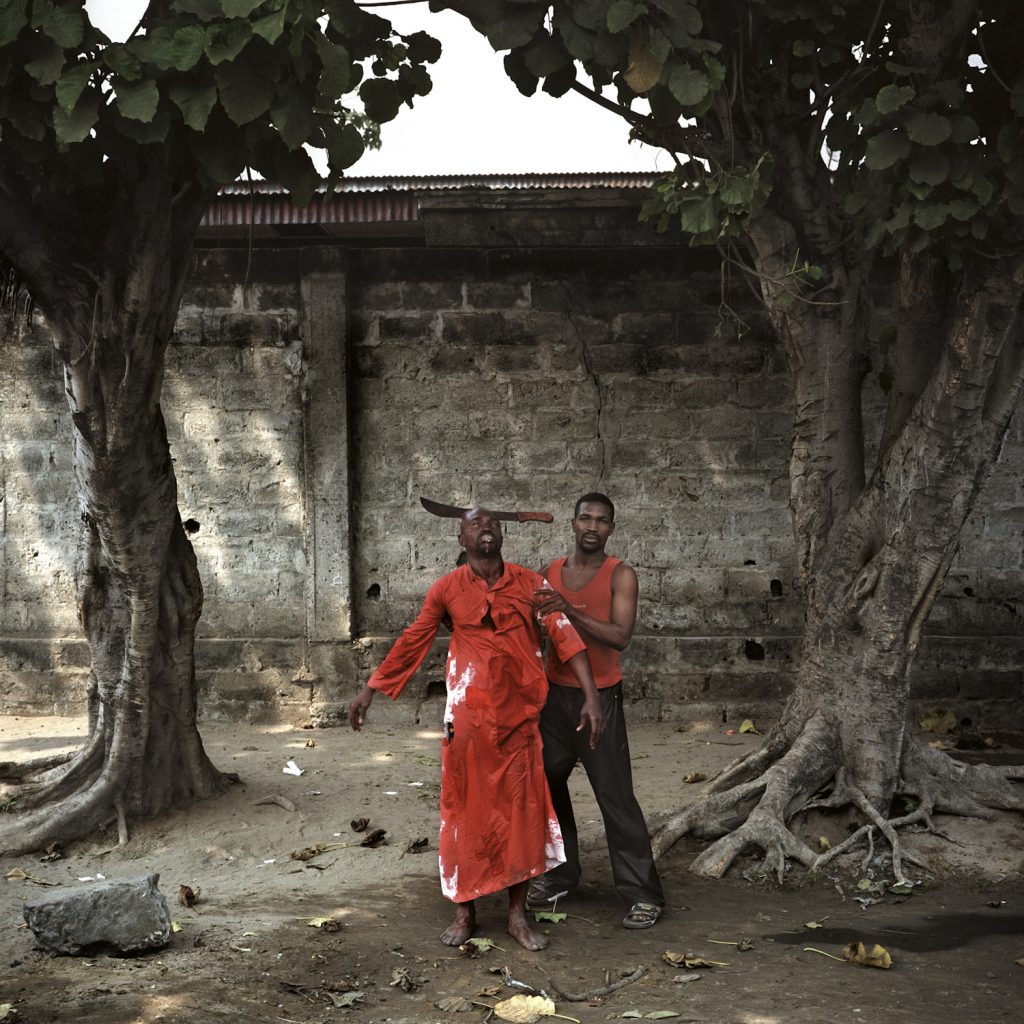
(611, 778)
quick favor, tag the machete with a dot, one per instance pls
(451, 512)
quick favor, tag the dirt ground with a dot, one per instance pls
(247, 953)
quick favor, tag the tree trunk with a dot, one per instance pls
(140, 595)
(871, 571)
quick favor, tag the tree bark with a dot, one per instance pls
(871, 580)
(140, 595)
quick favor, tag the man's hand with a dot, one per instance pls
(546, 601)
(358, 708)
(592, 715)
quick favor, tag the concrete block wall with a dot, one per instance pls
(310, 409)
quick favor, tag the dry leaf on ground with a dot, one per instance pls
(691, 777)
(940, 720)
(876, 956)
(524, 1009)
(689, 961)
(455, 1004)
(359, 824)
(187, 896)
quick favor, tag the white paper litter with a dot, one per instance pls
(291, 768)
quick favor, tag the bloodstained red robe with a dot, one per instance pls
(497, 823)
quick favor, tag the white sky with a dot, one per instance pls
(474, 121)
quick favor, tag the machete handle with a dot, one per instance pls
(534, 517)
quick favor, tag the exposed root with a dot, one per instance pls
(754, 813)
(75, 817)
(21, 771)
(750, 805)
(751, 764)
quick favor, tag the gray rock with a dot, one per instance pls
(123, 917)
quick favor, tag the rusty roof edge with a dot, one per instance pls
(446, 182)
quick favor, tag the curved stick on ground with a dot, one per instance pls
(596, 993)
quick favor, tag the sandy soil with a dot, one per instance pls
(247, 953)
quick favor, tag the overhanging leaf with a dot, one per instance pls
(244, 93)
(928, 129)
(71, 83)
(891, 97)
(138, 101)
(645, 67)
(884, 149)
(13, 18)
(195, 102)
(75, 125)
(688, 85)
(622, 14)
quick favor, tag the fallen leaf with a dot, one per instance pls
(747, 725)
(877, 956)
(820, 923)
(281, 801)
(990, 743)
(400, 979)
(319, 922)
(1019, 963)
(689, 961)
(418, 845)
(553, 916)
(310, 744)
(345, 999)
(524, 1009)
(691, 777)
(938, 745)
(374, 838)
(940, 720)
(7, 1011)
(474, 946)
(17, 875)
(359, 824)
(187, 896)
(490, 991)
(175, 927)
(52, 852)
(455, 1004)
(684, 979)
(660, 1014)
(823, 843)
(632, 1015)
(901, 888)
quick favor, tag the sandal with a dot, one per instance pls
(642, 915)
(540, 896)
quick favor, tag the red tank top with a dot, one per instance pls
(596, 600)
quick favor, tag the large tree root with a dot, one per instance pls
(750, 805)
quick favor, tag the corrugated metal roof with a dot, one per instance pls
(384, 200)
(431, 182)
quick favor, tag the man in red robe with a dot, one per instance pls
(498, 828)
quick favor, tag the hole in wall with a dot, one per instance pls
(191, 526)
(968, 591)
(776, 588)
(966, 723)
(373, 591)
(436, 688)
(753, 650)
(749, 561)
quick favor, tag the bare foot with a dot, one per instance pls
(523, 933)
(462, 927)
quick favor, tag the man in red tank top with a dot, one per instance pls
(598, 595)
